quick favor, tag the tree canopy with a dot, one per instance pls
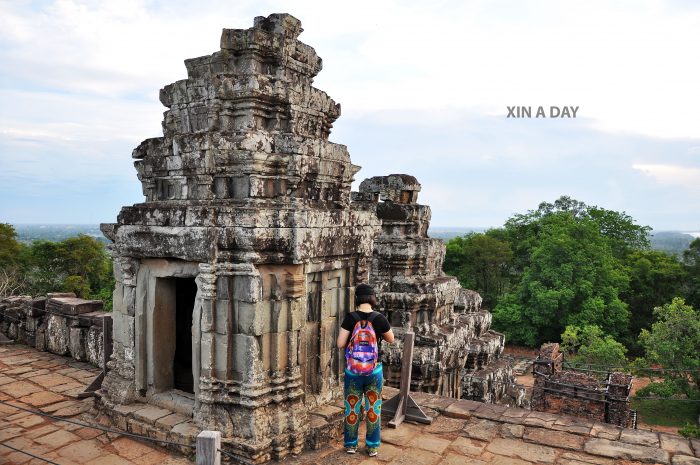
(571, 277)
(589, 345)
(481, 262)
(674, 341)
(77, 264)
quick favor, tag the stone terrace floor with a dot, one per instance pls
(50, 383)
(463, 432)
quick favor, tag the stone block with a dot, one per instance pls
(429, 442)
(223, 317)
(77, 343)
(468, 447)
(518, 449)
(247, 288)
(246, 355)
(626, 451)
(605, 431)
(208, 317)
(675, 444)
(400, 436)
(94, 347)
(57, 335)
(150, 414)
(129, 300)
(123, 329)
(483, 430)
(644, 438)
(73, 305)
(253, 318)
(513, 431)
(297, 314)
(549, 437)
(685, 460)
(461, 409)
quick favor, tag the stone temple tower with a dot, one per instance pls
(456, 353)
(233, 276)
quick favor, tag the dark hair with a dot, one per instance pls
(366, 299)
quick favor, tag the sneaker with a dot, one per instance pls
(372, 451)
(351, 450)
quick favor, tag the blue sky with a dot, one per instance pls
(423, 86)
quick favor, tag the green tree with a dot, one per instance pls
(589, 345)
(11, 274)
(481, 262)
(691, 264)
(77, 264)
(10, 247)
(674, 343)
(570, 277)
(655, 278)
(619, 229)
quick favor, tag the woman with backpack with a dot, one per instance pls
(359, 336)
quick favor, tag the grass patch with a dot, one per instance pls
(666, 412)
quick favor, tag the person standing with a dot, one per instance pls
(359, 336)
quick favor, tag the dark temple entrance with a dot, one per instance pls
(185, 292)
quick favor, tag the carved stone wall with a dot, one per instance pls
(245, 195)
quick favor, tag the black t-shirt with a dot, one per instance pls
(380, 323)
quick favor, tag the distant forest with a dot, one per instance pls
(671, 242)
(28, 233)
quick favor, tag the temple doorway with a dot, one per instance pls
(171, 334)
(185, 293)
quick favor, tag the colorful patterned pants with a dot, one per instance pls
(369, 387)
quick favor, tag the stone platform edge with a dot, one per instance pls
(562, 431)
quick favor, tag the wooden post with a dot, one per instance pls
(402, 405)
(208, 448)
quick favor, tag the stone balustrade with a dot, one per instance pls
(59, 323)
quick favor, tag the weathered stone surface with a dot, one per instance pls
(645, 438)
(512, 431)
(516, 449)
(548, 437)
(675, 444)
(625, 451)
(685, 460)
(484, 430)
(72, 305)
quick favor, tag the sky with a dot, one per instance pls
(424, 87)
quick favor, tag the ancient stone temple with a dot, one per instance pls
(456, 352)
(233, 275)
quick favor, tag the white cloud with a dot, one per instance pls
(628, 65)
(687, 177)
(79, 80)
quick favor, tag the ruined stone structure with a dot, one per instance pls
(456, 352)
(233, 276)
(58, 323)
(574, 393)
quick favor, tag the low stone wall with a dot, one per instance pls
(59, 323)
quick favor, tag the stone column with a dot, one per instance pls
(121, 378)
